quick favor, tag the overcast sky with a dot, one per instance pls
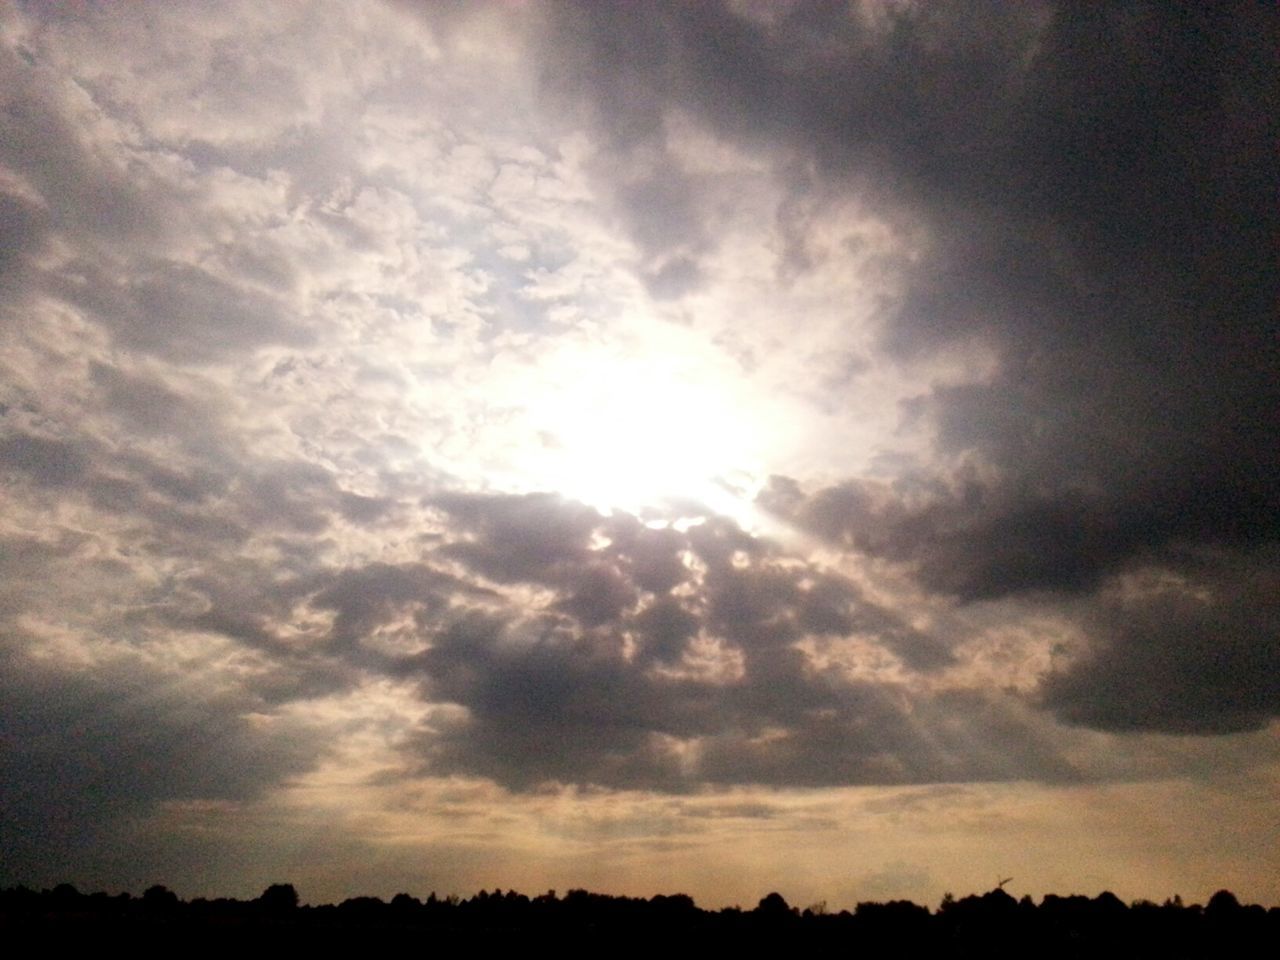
(711, 448)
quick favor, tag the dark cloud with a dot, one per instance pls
(1092, 189)
(543, 707)
(665, 628)
(1197, 652)
(652, 558)
(149, 406)
(23, 224)
(86, 750)
(518, 538)
(366, 597)
(695, 677)
(362, 509)
(46, 461)
(980, 539)
(548, 705)
(295, 498)
(1096, 186)
(879, 734)
(600, 594)
(1195, 658)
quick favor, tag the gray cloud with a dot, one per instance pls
(68, 187)
(1096, 185)
(557, 707)
(1095, 188)
(366, 597)
(47, 461)
(84, 751)
(1198, 654)
(179, 311)
(77, 192)
(566, 696)
(519, 538)
(1168, 662)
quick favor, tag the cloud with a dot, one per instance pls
(1193, 651)
(519, 538)
(180, 311)
(626, 680)
(314, 327)
(46, 461)
(1188, 653)
(1091, 208)
(87, 750)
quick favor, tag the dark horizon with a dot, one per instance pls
(285, 896)
(972, 925)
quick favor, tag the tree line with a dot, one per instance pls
(992, 924)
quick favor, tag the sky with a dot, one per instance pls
(651, 447)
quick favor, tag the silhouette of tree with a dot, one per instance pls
(773, 905)
(160, 899)
(403, 902)
(1222, 903)
(65, 896)
(279, 898)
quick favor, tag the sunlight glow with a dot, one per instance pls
(660, 435)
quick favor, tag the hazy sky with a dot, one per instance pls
(711, 448)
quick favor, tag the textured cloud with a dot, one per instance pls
(1093, 187)
(660, 407)
(613, 676)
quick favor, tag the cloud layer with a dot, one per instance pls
(350, 362)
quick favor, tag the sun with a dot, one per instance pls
(652, 433)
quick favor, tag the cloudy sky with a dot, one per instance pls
(717, 448)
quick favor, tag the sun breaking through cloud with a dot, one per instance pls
(715, 447)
